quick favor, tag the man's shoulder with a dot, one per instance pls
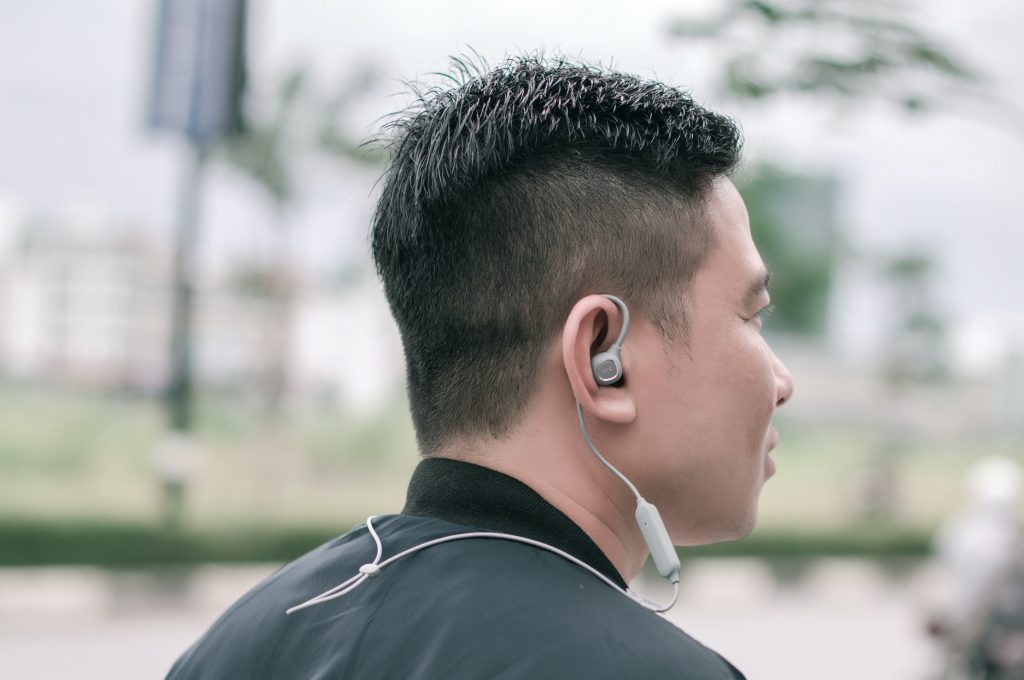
(544, 612)
(595, 651)
(495, 607)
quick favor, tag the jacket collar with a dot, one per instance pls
(464, 493)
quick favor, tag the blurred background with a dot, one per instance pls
(200, 378)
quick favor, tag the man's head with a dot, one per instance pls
(515, 194)
(694, 428)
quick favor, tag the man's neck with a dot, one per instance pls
(576, 483)
(487, 500)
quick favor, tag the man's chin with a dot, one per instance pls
(737, 531)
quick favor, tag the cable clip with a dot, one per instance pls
(369, 570)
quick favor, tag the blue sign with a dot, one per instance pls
(199, 68)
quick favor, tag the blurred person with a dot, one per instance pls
(977, 616)
(580, 303)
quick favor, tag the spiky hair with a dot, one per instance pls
(513, 192)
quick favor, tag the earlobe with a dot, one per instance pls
(591, 318)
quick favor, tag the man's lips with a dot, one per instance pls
(769, 464)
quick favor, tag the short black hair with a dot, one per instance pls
(512, 193)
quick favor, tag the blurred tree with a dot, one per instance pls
(332, 136)
(846, 51)
(297, 122)
(252, 279)
(841, 51)
(263, 151)
(916, 350)
(792, 220)
(264, 154)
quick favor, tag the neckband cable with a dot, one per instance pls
(373, 568)
(667, 564)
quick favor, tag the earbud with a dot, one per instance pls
(607, 371)
(607, 365)
(607, 368)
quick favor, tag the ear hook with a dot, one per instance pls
(607, 365)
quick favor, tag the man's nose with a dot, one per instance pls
(783, 383)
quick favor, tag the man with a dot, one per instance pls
(516, 202)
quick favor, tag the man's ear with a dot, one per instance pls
(592, 326)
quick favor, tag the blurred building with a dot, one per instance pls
(85, 302)
(82, 302)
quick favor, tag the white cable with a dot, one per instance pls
(655, 535)
(350, 584)
(373, 568)
(586, 436)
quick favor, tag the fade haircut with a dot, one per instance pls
(512, 194)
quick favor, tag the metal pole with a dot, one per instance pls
(180, 389)
(175, 455)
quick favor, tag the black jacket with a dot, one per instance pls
(476, 608)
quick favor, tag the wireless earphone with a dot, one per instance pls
(607, 368)
(607, 365)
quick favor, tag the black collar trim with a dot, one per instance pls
(464, 493)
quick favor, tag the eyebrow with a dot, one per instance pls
(758, 286)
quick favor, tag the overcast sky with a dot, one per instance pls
(74, 74)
